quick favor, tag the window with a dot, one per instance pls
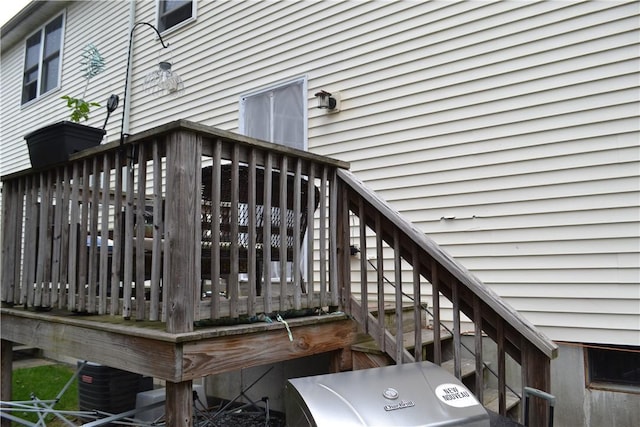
(42, 61)
(174, 12)
(613, 366)
(277, 114)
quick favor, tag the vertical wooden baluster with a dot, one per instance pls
(74, 236)
(105, 247)
(43, 225)
(437, 341)
(232, 285)
(364, 278)
(397, 266)
(266, 232)
(323, 238)
(311, 202)
(283, 231)
(140, 207)
(64, 238)
(84, 233)
(502, 387)
(477, 319)
(297, 194)
(457, 350)
(417, 303)
(215, 229)
(93, 231)
(333, 239)
(158, 229)
(128, 237)
(118, 239)
(251, 231)
(380, 281)
(57, 237)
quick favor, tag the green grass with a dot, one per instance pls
(45, 382)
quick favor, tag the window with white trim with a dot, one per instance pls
(174, 12)
(42, 60)
(277, 114)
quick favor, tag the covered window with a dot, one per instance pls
(42, 60)
(174, 12)
(277, 114)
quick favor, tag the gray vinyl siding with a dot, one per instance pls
(507, 131)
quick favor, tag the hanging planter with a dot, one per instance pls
(54, 144)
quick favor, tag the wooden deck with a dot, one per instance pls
(149, 308)
(146, 348)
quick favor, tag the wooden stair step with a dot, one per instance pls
(491, 401)
(366, 344)
(467, 367)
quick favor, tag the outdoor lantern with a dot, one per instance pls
(326, 100)
(163, 81)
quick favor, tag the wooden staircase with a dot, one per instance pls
(366, 354)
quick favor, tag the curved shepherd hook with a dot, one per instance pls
(126, 83)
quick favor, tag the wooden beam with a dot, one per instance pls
(231, 353)
(117, 349)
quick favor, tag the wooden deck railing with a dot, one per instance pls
(406, 266)
(147, 230)
(131, 230)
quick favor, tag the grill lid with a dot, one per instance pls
(416, 394)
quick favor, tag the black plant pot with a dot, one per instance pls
(53, 144)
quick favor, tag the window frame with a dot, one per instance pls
(598, 359)
(42, 61)
(160, 14)
(303, 81)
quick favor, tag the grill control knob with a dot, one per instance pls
(390, 393)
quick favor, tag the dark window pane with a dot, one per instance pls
(173, 13)
(32, 55)
(53, 37)
(29, 92)
(50, 74)
(619, 365)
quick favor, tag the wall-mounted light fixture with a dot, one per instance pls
(328, 101)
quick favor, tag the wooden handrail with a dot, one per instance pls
(512, 334)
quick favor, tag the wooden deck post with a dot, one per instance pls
(182, 244)
(179, 404)
(182, 216)
(6, 371)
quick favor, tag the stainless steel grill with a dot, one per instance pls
(411, 395)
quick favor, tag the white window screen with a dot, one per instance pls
(276, 115)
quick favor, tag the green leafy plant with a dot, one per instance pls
(93, 64)
(80, 108)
